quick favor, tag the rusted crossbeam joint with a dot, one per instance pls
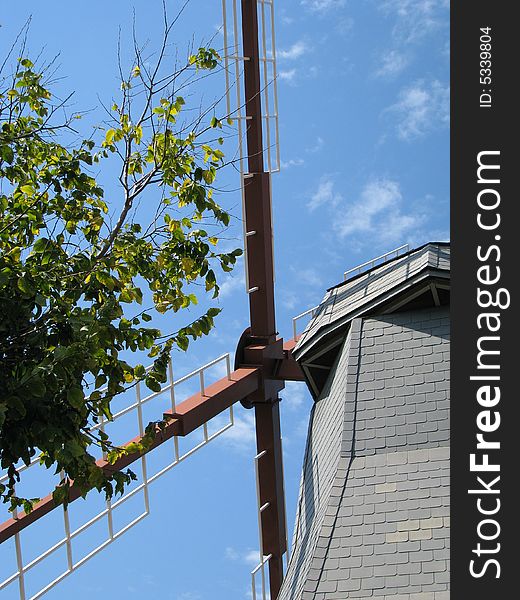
(264, 357)
(274, 361)
(288, 369)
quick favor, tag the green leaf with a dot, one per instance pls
(60, 494)
(154, 351)
(7, 154)
(152, 383)
(41, 245)
(126, 296)
(139, 371)
(105, 279)
(75, 397)
(75, 447)
(182, 341)
(4, 276)
(37, 387)
(25, 286)
(210, 280)
(28, 505)
(17, 405)
(3, 412)
(109, 136)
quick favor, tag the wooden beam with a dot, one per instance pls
(270, 471)
(435, 294)
(199, 409)
(257, 217)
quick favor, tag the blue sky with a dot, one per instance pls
(364, 137)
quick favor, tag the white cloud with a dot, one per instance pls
(292, 162)
(293, 396)
(302, 427)
(217, 371)
(417, 18)
(322, 6)
(309, 277)
(324, 195)
(289, 299)
(249, 556)
(230, 553)
(421, 108)
(378, 212)
(287, 75)
(242, 435)
(392, 63)
(231, 285)
(295, 51)
(252, 557)
(318, 145)
(377, 196)
(413, 21)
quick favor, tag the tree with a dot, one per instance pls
(72, 280)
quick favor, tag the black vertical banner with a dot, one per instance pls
(485, 198)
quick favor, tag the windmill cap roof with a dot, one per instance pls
(374, 291)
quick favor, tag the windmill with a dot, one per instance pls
(263, 362)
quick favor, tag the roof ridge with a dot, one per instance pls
(388, 262)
